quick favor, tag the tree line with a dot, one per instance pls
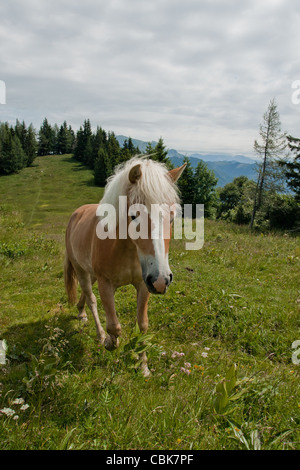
(272, 201)
(18, 147)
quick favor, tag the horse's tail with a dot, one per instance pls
(70, 280)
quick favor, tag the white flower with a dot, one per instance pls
(18, 401)
(207, 349)
(204, 354)
(7, 411)
(24, 407)
(177, 354)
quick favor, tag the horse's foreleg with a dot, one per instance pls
(113, 327)
(142, 319)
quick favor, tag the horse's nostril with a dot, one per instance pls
(149, 280)
(171, 277)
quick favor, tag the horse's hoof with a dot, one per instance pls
(83, 318)
(145, 371)
(111, 343)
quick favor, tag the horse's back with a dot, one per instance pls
(80, 234)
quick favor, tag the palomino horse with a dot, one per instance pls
(114, 261)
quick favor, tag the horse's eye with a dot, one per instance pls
(133, 217)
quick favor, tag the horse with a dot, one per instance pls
(119, 260)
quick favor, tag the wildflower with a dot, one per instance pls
(18, 401)
(177, 354)
(187, 365)
(198, 367)
(204, 354)
(7, 411)
(207, 349)
(178, 441)
(15, 418)
(24, 407)
(186, 371)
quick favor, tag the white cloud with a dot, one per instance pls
(199, 74)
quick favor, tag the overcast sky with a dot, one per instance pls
(198, 73)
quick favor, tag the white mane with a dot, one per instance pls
(154, 186)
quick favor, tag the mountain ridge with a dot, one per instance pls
(225, 166)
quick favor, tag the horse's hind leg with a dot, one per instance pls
(81, 304)
(87, 295)
(81, 310)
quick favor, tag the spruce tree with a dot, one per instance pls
(46, 139)
(100, 169)
(160, 153)
(205, 183)
(186, 184)
(292, 168)
(30, 145)
(270, 151)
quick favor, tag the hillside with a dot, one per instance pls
(230, 316)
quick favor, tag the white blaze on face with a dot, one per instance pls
(160, 230)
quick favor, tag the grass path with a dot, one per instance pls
(236, 301)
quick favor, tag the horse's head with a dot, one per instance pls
(150, 225)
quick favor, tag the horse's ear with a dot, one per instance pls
(177, 172)
(135, 173)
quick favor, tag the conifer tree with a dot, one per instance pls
(270, 151)
(205, 183)
(292, 168)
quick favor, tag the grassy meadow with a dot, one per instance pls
(219, 343)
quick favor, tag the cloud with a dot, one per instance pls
(199, 74)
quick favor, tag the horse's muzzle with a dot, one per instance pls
(158, 285)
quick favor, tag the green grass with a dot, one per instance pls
(236, 301)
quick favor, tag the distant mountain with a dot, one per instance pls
(225, 171)
(221, 157)
(136, 142)
(225, 166)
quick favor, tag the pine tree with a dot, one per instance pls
(62, 139)
(149, 149)
(270, 151)
(30, 145)
(160, 153)
(292, 168)
(46, 139)
(205, 183)
(186, 184)
(12, 155)
(79, 144)
(100, 170)
(113, 152)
